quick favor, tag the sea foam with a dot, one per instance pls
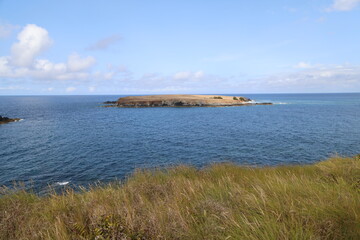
(62, 183)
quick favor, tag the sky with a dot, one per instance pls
(171, 47)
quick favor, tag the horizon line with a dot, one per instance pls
(136, 94)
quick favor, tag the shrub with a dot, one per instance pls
(223, 201)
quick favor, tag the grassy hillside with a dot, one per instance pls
(224, 201)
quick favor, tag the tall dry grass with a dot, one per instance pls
(223, 201)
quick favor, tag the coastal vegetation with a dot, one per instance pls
(222, 201)
(182, 100)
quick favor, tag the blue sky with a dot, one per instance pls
(148, 47)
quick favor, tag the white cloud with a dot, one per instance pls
(199, 74)
(104, 43)
(24, 62)
(45, 66)
(303, 65)
(169, 89)
(6, 30)
(76, 63)
(343, 5)
(309, 78)
(188, 75)
(29, 66)
(182, 75)
(290, 9)
(32, 41)
(92, 89)
(4, 66)
(319, 78)
(221, 58)
(12, 88)
(44, 69)
(180, 82)
(321, 20)
(118, 68)
(70, 89)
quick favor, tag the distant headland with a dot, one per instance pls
(4, 120)
(182, 100)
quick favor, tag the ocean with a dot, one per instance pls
(72, 140)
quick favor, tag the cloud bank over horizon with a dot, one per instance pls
(151, 62)
(344, 5)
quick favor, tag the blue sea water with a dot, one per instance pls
(73, 139)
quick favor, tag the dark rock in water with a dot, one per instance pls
(7, 120)
(110, 102)
(265, 103)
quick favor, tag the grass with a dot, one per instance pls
(222, 201)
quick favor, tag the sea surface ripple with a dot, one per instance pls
(72, 139)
